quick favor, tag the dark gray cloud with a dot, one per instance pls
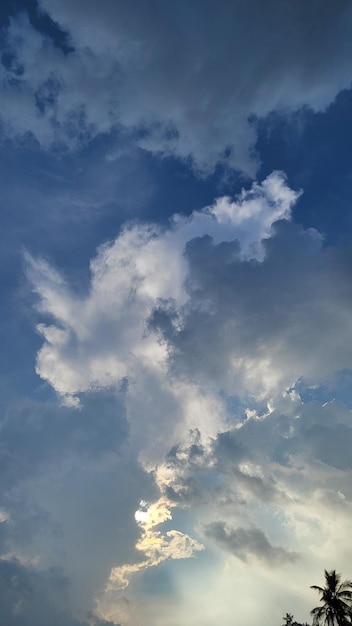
(183, 79)
(252, 326)
(246, 543)
(34, 434)
(331, 444)
(310, 429)
(69, 489)
(228, 447)
(320, 432)
(36, 597)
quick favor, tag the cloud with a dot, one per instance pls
(154, 545)
(182, 425)
(63, 502)
(157, 548)
(185, 80)
(248, 543)
(36, 597)
(270, 475)
(324, 433)
(48, 97)
(211, 332)
(251, 327)
(36, 435)
(143, 267)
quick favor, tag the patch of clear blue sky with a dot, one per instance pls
(314, 150)
(339, 389)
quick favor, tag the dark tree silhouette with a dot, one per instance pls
(336, 597)
(288, 619)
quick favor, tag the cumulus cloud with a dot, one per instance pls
(252, 327)
(217, 300)
(206, 329)
(144, 266)
(183, 80)
(271, 501)
(211, 303)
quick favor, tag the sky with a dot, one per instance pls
(176, 297)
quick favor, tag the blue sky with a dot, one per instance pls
(175, 310)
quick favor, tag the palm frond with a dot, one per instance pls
(336, 597)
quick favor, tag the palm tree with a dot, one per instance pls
(288, 619)
(337, 599)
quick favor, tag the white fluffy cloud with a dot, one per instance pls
(184, 78)
(214, 297)
(202, 324)
(143, 267)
